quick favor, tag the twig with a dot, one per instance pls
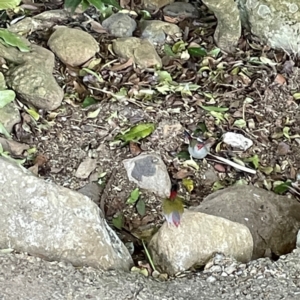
(233, 164)
(148, 256)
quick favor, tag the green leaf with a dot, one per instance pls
(134, 196)
(191, 163)
(214, 108)
(282, 188)
(197, 51)
(99, 77)
(267, 61)
(179, 46)
(9, 4)
(137, 132)
(168, 50)
(254, 160)
(214, 53)
(188, 183)
(141, 207)
(296, 96)
(12, 39)
(88, 101)
(93, 114)
(4, 131)
(184, 155)
(241, 123)
(6, 97)
(72, 4)
(164, 76)
(118, 221)
(33, 114)
(266, 170)
(286, 132)
(217, 186)
(201, 127)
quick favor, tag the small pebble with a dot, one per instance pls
(211, 279)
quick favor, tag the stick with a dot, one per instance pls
(233, 164)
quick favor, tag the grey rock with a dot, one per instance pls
(29, 25)
(149, 172)
(155, 4)
(9, 116)
(55, 223)
(73, 47)
(119, 25)
(11, 146)
(92, 190)
(42, 21)
(142, 51)
(272, 219)
(181, 10)
(34, 84)
(229, 27)
(38, 56)
(195, 241)
(276, 23)
(156, 31)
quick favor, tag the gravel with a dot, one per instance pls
(27, 277)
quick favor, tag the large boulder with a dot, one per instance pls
(272, 219)
(195, 241)
(55, 223)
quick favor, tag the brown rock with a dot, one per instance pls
(272, 219)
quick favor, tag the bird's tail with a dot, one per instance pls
(187, 136)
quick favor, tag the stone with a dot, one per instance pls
(10, 116)
(237, 140)
(34, 84)
(73, 47)
(119, 25)
(149, 172)
(156, 31)
(273, 220)
(55, 223)
(86, 167)
(155, 4)
(142, 51)
(181, 10)
(197, 238)
(276, 23)
(91, 190)
(42, 21)
(229, 27)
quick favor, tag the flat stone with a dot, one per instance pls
(149, 172)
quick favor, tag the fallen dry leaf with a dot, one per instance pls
(134, 148)
(280, 79)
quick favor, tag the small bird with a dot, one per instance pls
(198, 148)
(172, 207)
